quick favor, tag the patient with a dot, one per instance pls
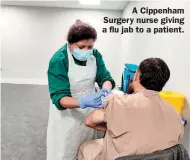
(137, 123)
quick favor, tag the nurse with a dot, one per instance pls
(72, 73)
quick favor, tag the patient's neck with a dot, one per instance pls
(138, 87)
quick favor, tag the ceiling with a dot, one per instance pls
(105, 4)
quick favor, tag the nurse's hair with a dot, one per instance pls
(154, 73)
(81, 31)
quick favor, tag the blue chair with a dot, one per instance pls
(127, 75)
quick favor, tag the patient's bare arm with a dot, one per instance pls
(95, 120)
(100, 127)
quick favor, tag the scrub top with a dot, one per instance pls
(58, 79)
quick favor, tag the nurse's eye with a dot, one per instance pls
(90, 47)
(81, 47)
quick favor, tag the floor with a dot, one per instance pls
(24, 122)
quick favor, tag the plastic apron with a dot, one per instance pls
(66, 129)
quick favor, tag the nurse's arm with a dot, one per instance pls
(103, 76)
(107, 85)
(69, 102)
(59, 86)
(95, 120)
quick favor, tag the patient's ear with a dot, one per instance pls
(136, 76)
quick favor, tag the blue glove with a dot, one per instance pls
(92, 100)
(105, 91)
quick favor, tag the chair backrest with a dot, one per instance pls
(177, 152)
(127, 75)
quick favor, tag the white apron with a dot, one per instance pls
(66, 129)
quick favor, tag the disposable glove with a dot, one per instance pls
(92, 100)
(105, 91)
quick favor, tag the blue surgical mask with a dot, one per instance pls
(82, 55)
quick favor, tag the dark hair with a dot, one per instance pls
(81, 31)
(154, 73)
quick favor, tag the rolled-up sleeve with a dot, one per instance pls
(102, 73)
(58, 81)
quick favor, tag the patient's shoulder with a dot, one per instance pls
(122, 99)
(119, 99)
(127, 100)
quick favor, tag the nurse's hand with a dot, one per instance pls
(92, 100)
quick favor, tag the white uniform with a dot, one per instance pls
(66, 129)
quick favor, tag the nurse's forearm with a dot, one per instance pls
(107, 84)
(68, 102)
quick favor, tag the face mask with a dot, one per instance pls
(82, 55)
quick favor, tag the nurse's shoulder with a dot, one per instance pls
(60, 57)
(96, 53)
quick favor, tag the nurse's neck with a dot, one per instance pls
(80, 63)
